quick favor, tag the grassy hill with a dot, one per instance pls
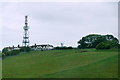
(88, 63)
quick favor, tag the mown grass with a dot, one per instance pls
(76, 63)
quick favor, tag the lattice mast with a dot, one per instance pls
(26, 34)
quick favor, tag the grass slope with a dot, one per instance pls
(62, 64)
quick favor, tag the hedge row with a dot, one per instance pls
(62, 48)
(6, 52)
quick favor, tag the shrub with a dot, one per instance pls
(70, 47)
(25, 49)
(13, 52)
(103, 45)
(107, 45)
(2, 54)
(4, 50)
(7, 53)
(62, 48)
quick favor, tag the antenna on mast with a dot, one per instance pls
(26, 34)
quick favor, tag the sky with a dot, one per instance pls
(56, 22)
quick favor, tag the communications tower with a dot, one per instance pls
(26, 34)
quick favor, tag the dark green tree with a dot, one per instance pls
(92, 40)
(5, 50)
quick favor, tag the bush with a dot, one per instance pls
(70, 47)
(9, 53)
(107, 45)
(25, 49)
(119, 46)
(2, 54)
(62, 48)
(4, 50)
(103, 45)
(13, 52)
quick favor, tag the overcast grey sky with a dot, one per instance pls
(53, 23)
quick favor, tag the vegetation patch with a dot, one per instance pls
(62, 64)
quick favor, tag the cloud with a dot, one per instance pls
(54, 23)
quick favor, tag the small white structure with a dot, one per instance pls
(42, 47)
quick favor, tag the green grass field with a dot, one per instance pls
(77, 63)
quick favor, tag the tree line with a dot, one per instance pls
(89, 41)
